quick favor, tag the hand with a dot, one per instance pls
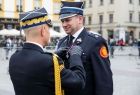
(61, 52)
(75, 53)
(75, 50)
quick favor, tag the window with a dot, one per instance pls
(111, 1)
(89, 20)
(100, 19)
(56, 8)
(100, 23)
(90, 3)
(37, 4)
(19, 6)
(57, 28)
(130, 17)
(110, 18)
(0, 5)
(9, 26)
(130, 1)
(84, 6)
(101, 2)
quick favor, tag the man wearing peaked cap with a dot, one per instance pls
(95, 56)
(35, 72)
(34, 18)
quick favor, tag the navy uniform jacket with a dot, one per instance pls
(32, 72)
(98, 73)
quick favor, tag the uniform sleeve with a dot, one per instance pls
(74, 77)
(101, 70)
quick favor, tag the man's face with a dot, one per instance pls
(71, 24)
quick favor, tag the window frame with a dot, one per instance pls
(90, 3)
(130, 17)
(101, 18)
(89, 20)
(111, 18)
(101, 2)
(19, 5)
(130, 1)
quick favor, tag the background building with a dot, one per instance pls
(116, 18)
(10, 9)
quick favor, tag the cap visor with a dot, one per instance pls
(63, 16)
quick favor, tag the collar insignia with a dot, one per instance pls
(78, 41)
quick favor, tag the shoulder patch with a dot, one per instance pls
(103, 52)
(95, 35)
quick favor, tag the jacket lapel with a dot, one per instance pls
(80, 38)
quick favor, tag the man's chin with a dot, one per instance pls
(68, 32)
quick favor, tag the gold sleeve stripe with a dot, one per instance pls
(57, 69)
(34, 21)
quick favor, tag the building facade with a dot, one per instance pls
(10, 9)
(119, 19)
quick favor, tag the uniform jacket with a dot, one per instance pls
(98, 73)
(32, 72)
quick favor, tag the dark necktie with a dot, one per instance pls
(70, 40)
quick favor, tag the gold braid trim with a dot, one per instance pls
(34, 21)
(57, 70)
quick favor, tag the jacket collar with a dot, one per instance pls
(77, 33)
(81, 37)
(32, 46)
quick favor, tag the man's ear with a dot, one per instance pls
(81, 18)
(42, 30)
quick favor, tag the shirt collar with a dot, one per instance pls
(36, 44)
(77, 33)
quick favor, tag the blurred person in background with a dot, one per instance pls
(112, 46)
(8, 45)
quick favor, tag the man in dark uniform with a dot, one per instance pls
(95, 51)
(32, 70)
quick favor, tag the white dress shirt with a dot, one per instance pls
(77, 34)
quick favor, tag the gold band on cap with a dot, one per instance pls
(34, 21)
